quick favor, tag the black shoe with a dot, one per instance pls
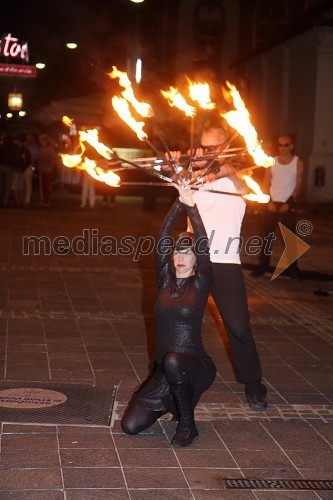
(255, 393)
(257, 273)
(186, 430)
(185, 435)
(257, 403)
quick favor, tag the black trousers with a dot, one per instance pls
(229, 294)
(177, 367)
(271, 219)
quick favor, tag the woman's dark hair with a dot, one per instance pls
(185, 241)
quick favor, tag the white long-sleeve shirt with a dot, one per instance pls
(222, 216)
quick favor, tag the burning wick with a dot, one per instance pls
(239, 119)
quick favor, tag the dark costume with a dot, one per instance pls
(179, 309)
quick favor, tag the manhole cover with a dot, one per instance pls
(29, 397)
(56, 403)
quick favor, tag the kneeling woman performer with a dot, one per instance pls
(182, 370)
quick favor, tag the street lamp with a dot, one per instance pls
(15, 101)
(71, 45)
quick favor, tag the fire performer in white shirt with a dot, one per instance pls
(222, 216)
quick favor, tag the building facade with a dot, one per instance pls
(288, 81)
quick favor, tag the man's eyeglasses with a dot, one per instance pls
(284, 145)
(209, 149)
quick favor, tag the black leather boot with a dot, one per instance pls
(186, 429)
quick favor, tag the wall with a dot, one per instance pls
(289, 91)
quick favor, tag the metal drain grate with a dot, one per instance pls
(278, 484)
(56, 403)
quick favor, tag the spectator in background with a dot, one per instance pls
(47, 165)
(283, 182)
(108, 192)
(23, 161)
(33, 148)
(108, 200)
(88, 192)
(8, 158)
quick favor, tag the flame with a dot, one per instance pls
(200, 93)
(91, 137)
(122, 108)
(83, 163)
(124, 81)
(67, 121)
(98, 173)
(72, 161)
(239, 119)
(106, 176)
(143, 108)
(175, 98)
(257, 195)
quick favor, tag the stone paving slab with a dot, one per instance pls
(88, 319)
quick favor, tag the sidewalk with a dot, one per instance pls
(88, 319)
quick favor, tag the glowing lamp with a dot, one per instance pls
(15, 101)
(138, 71)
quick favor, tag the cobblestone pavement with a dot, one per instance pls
(88, 319)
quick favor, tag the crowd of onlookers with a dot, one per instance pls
(22, 156)
(31, 161)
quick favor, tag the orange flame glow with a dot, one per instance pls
(98, 173)
(106, 176)
(67, 121)
(143, 108)
(124, 81)
(239, 119)
(200, 93)
(81, 162)
(91, 137)
(72, 161)
(257, 195)
(175, 98)
(122, 108)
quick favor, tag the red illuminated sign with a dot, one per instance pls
(10, 47)
(18, 70)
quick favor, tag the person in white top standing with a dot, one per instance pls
(283, 182)
(222, 216)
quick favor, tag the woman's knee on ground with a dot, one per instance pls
(136, 419)
(129, 425)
